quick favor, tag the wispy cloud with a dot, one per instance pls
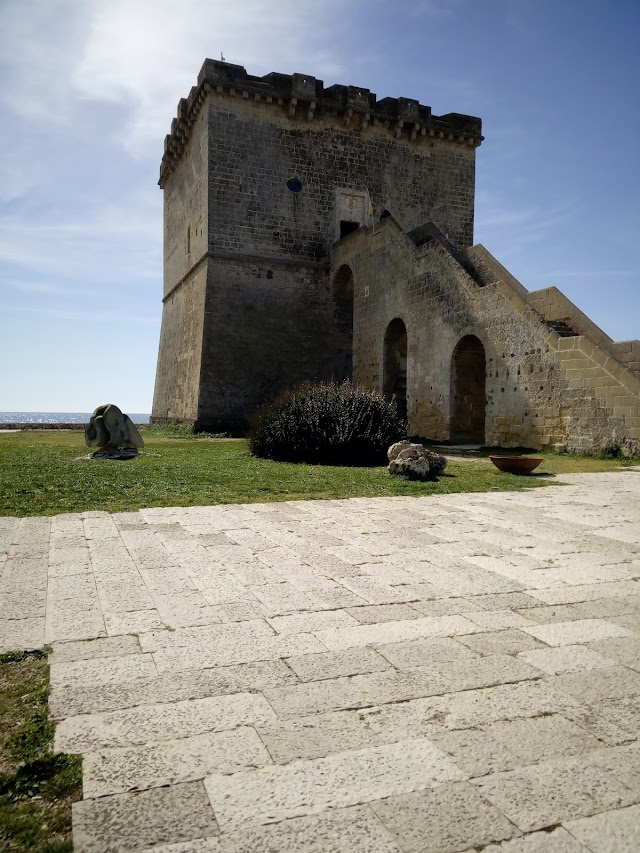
(95, 49)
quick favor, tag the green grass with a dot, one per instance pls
(45, 473)
(36, 786)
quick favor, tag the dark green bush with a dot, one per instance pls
(611, 450)
(328, 424)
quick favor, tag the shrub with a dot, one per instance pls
(611, 450)
(328, 424)
(179, 430)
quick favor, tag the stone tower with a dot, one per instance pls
(261, 176)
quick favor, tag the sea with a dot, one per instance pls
(60, 417)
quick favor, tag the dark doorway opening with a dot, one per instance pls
(347, 227)
(342, 293)
(395, 365)
(468, 391)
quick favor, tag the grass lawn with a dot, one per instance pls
(37, 787)
(43, 473)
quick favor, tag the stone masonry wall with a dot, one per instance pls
(542, 390)
(256, 148)
(177, 389)
(268, 327)
(265, 334)
(176, 395)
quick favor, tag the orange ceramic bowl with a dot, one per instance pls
(516, 464)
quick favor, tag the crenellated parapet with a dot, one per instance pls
(305, 98)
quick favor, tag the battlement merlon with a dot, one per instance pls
(303, 95)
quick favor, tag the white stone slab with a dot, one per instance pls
(115, 771)
(579, 631)
(394, 632)
(336, 831)
(610, 832)
(162, 722)
(307, 787)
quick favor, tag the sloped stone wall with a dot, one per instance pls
(542, 389)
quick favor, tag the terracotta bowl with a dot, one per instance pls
(516, 464)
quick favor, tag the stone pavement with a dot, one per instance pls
(425, 675)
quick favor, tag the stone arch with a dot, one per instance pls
(342, 295)
(468, 391)
(394, 381)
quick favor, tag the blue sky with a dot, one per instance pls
(89, 87)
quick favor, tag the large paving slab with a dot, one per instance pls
(384, 675)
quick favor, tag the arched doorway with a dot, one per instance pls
(342, 294)
(395, 365)
(468, 394)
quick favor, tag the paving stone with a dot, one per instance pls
(136, 622)
(317, 697)
(585, 592)
(105, 647)
(624, 650)
(375, 591)
(254, 574)
(436, 715)
(115, 771)
(603, 683)
(538, 738)
(554, 841)
(470, 674)
(298, 623)
(230, 650)
(75, 586)
(622, 762)
(317, 736)
(446, 819)
(283, 598)
(499, 620)
(106, 670)
(580, 631)
(609, 832)
(354, 829)
(240, 611)
(425, 652)
(307, 787)
(163, 815)
(339, 597)
(565, 659)
(390, 632)
(376, 613)
(226, 590)
(336, 664)
(597, 724)
(185, 610)
(166, 581)
(72, 620)
(631, 622)
(118, 597)
(445, 607)
(555, 791)
(22, 605)
(198, 845)
(205, 636)
(22, 634)
(554, 613)
(501, 642)
(170, 687)
(476, 753)
(147, 723)
(508, 600)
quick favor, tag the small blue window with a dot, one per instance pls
(294, 185)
